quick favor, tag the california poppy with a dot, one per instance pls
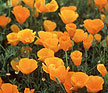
(21, 13)
(26, 66)
(65, 42)
(105, 7)
(76, 57)
(87, 42)
(27, 90)
(29, 2)
(49, 25)
(97, 37)
(36, 13)
(52, 60)
(67, 84)
(78, 80)
(15, 63)
(93, 26)
(52, 6)
(45, 53)
(68, 16)
(4, 21)
(52, 43)
(94, 84)
(15, 2)
(71, 29)
(8, 88)
(55, 67)
(58, 72)
(43, 36)
(26, 36)
(78, 36)
(12, 38)
(15, 28)
(101, 68)
(100, 3)
(73, 8)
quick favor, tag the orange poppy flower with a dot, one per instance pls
(15, 63)
(12, 38)
(50, 7)
(45, 53)
(55, 67)
(94, 84)
(27, 90)
(85, 36)
(78, 36)
(57, 62)
(15, 28)
(1, 81)
(87, 42)
(49, 25)
(40, 6)
(21, 13)
(78, 80)
(52, 43)
(100, 3)
(4, 21)
(65, 43)
(68, 16)
(26, 66)
(76, 57)
(105, 8)
(36, 13)
(71, 29)
(29, 2)
(15, 2)
(61, 34)
(60, 72)
(67, 84)
(43, 36)
(26, 36)
(73, 8)
(9, 88)
(93, 26)
(101, 68)
(97, 37)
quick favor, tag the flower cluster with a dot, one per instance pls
(65, 54)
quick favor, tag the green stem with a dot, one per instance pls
(93, 55)
(92, 68)
(86, 55)
(2, 47)
(28, 79)
(61, 85)
(66, 58)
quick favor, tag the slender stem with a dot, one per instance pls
(66, 58)
(92, 68)
(61, 85)
(28, 79)
(85, 65)
(86, 55)
(2, 47)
